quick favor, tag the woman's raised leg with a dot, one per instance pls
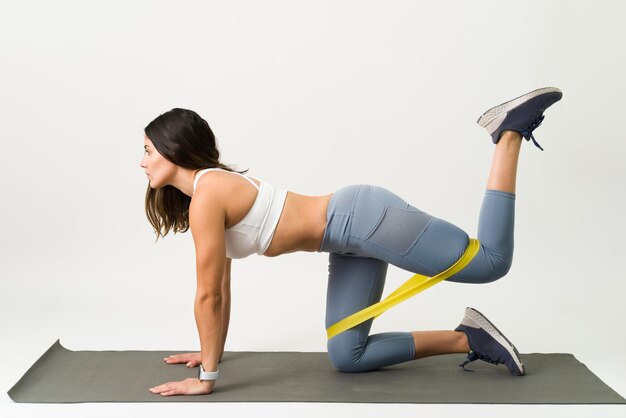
(502, 177)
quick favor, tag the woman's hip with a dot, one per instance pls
(375, 215)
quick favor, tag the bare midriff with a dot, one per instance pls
(301, 225)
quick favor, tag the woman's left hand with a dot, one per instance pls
(190, 386)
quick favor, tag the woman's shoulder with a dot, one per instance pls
(227, 181)
(209, 198)
(218, 185)
(208, 173)
(224, 191)
(212, 183)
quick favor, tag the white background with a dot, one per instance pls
(311, 96)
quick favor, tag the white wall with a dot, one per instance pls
(311, 96)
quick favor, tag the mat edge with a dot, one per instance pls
(55, 346)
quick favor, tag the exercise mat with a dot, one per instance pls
(65, 376)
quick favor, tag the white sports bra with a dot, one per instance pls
(255, 231)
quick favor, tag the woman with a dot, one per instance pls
(362, 227)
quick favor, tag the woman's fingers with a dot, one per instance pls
(184, 358)
(168, 389)
(172, 359)
(195, 362)
(188, 386)
(163, 389)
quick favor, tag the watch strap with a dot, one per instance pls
(203, 375)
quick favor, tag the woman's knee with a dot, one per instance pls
(486, 267)
(500, 266)
(344, 355)
(504, 267)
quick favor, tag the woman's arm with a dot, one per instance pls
(225, 303)
(207, 217)
(194, 359)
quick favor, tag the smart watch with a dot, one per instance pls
(202, 375)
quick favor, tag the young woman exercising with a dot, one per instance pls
(362, 227)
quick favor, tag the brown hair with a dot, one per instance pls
(182, 137)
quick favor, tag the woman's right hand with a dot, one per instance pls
(191, 359)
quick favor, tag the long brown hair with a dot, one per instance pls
(182, 137)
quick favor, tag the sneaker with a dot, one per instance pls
(487, 343)
(522, 114)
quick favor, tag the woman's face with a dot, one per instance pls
(158, 169)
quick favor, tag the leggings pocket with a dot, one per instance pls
(398, 229)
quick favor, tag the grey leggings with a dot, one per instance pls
(369, 227)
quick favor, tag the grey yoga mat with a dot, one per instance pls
(66, 376)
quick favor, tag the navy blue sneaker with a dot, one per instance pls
(522, 114)
(487, 343)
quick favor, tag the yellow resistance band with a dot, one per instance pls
(410, 288)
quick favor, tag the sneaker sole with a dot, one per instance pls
(491, 329)
(490, 115)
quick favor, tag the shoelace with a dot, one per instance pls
(528, 132)
(473, 356)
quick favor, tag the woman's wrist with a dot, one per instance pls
(204, 374)
(208, 385)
